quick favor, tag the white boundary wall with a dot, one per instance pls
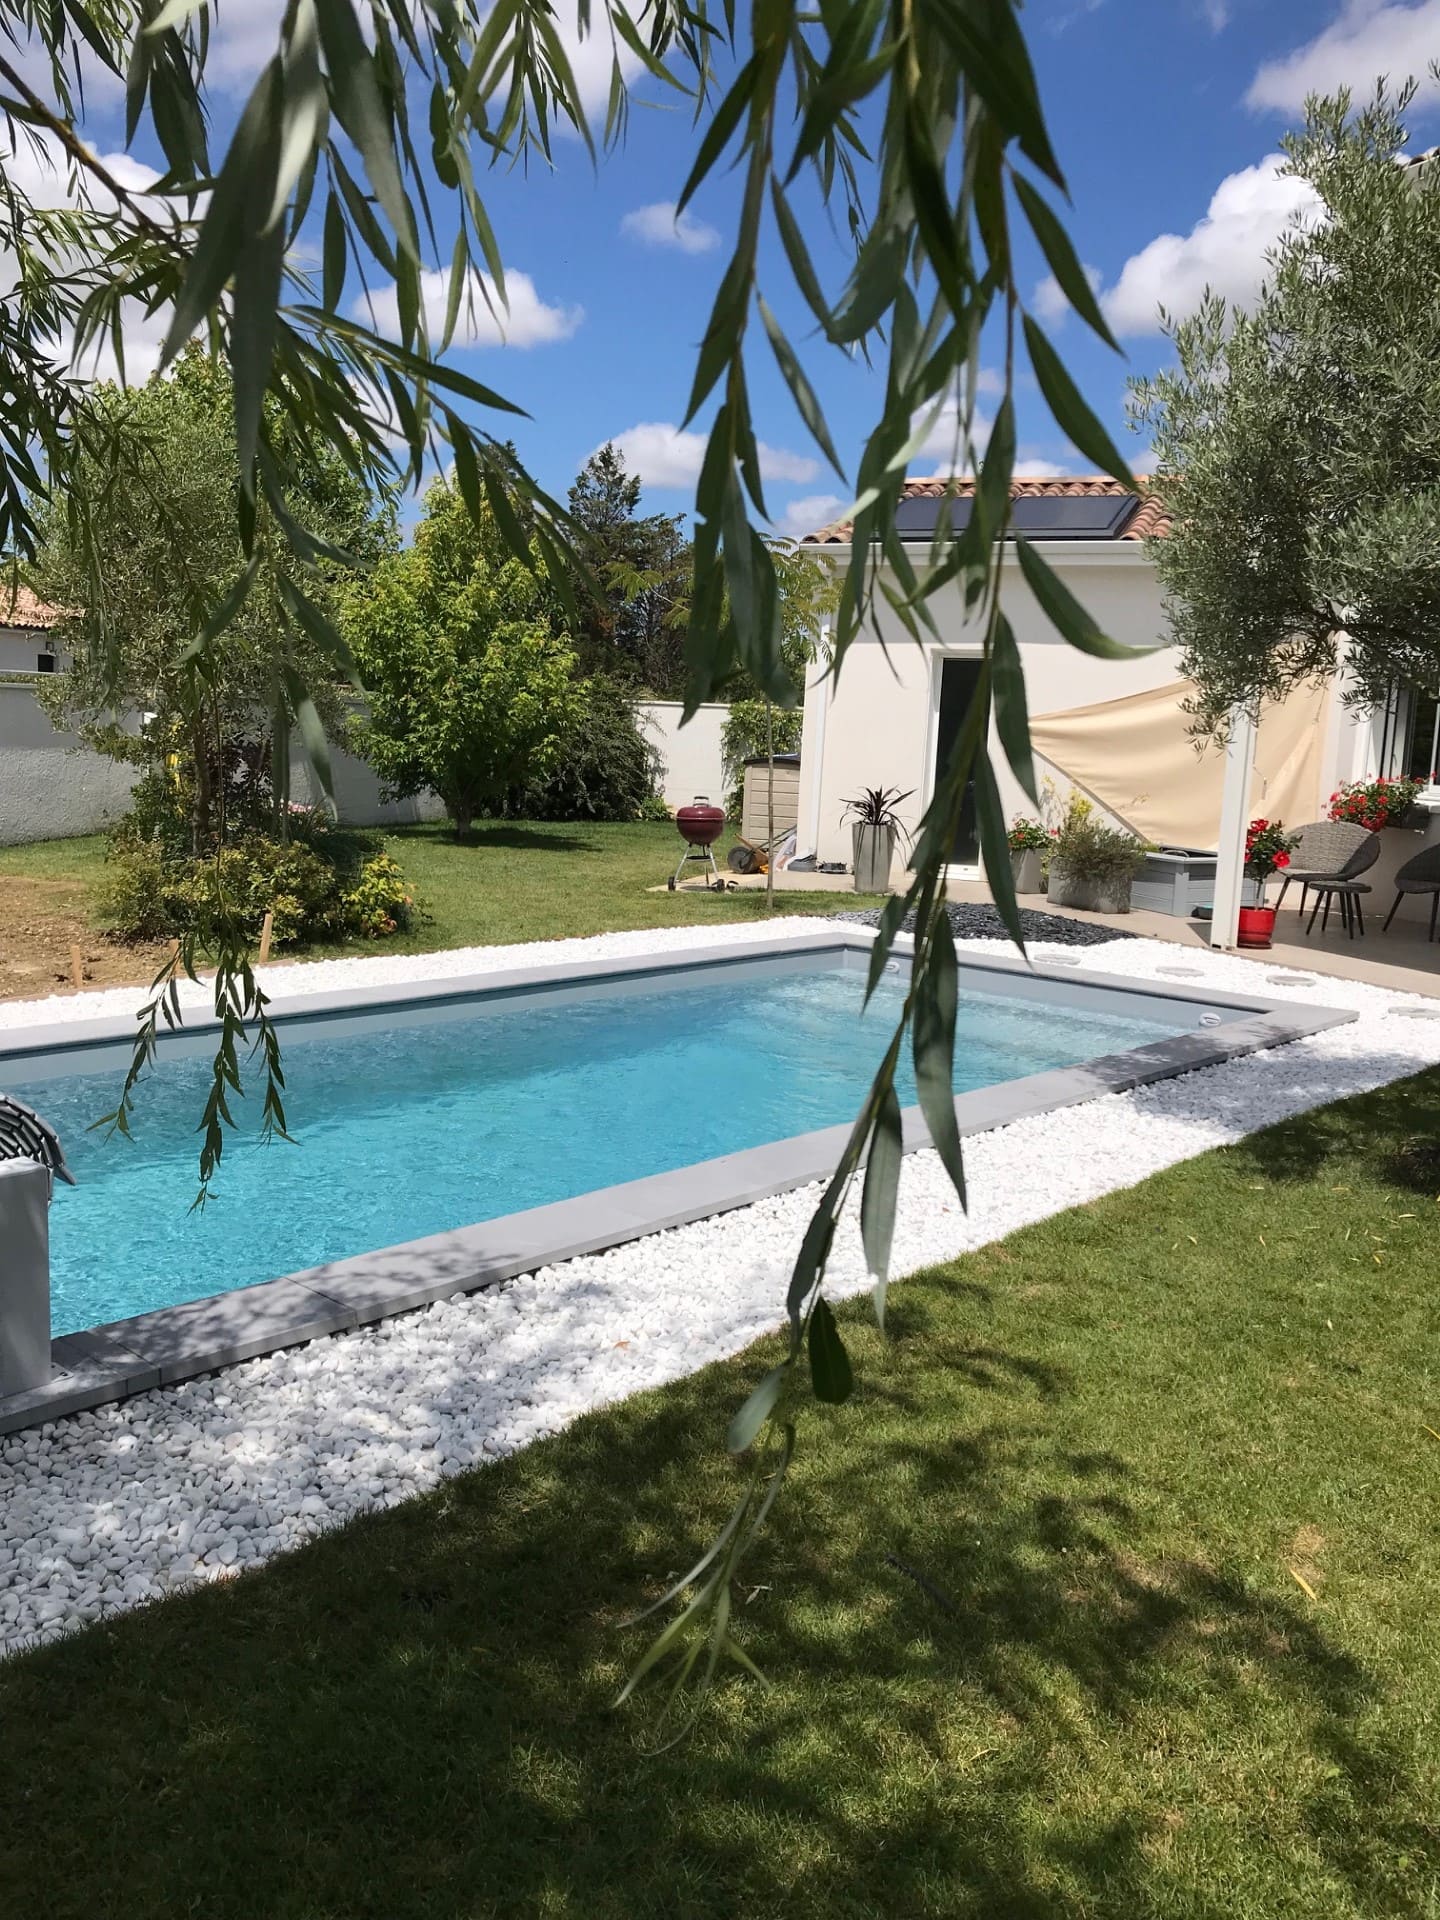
(690, 755)
(52, 787)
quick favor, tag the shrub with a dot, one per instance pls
(1086, 850)
(380, 903)
(134, 899)
(1374, 803)
(606, 767)
(258, 876)
(318, 891)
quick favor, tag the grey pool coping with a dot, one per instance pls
(171, 1344)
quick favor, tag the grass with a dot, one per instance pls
(511, 881)
(1114, 1592)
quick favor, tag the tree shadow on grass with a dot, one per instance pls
(1299, 1150)
(505, 835)
(982, 1680)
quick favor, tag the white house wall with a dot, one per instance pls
(878, 729)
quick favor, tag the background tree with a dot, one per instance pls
(468, 690)
(635, 603)
(164, 549)
(1297, 445)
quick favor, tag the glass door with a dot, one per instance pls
(958, 682)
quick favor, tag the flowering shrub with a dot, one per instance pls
(1373, 803)
(1027, 836)
(380, 903)
(1267, 848)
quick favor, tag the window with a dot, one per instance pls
(1410, 735)
(45, 663)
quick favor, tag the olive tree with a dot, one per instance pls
(165, 544)
(1297, 442)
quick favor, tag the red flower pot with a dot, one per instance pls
(1257, 924)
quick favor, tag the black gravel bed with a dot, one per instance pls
(973, 921)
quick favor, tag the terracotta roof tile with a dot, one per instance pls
(19, 607)
(1148, 519)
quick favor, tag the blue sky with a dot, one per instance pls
(1166, 115)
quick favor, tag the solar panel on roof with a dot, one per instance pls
(1070, 516)
(915, 519)
(1095, 516)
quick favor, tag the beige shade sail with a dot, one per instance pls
(1135, 756)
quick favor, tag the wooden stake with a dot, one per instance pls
(267, 928)
(77, 966)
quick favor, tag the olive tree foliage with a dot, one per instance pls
(164, 541)
(468, 691)
(1297, 444)
(912, 127)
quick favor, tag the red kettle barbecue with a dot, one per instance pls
(701, 825)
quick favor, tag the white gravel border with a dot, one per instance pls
(187, 1484)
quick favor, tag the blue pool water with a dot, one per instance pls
(404, 1130)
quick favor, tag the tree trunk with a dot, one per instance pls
(770, 807)
(200, 816)
(461, 809)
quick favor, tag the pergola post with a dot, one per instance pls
(1234, 823)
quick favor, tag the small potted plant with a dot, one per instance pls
(1267, 852)
(1091, 865)
(1028, 841)
(876, 828)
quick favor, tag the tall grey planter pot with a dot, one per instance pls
(1025, 869)
(874, 849)
(1092, 896)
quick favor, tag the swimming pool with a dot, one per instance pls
(415, 1119)
(456, 1131)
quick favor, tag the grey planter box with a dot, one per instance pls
(1025, 866)
(874, 849)
(1174, 882)
(1094, 896)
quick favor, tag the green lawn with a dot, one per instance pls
(1032, 1612)
(511, 881)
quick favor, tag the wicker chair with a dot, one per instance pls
(1328, 850)
(1420, 874)
(1345, 885)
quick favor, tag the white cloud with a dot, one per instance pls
(42, 171)
(659, 225)
(1367, 39)
(1040, 470)
(244, 34)
(485, 320)
(809, 514)
(1224, 251)
(1049, 299)
(664, 455)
